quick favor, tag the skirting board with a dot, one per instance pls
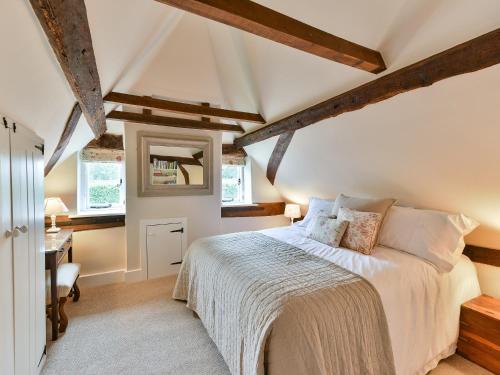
(135, 276)
(97, 279)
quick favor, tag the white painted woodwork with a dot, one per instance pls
(162, 245)
(22, 261)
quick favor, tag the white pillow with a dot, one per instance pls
(317, 206)
(435, 236)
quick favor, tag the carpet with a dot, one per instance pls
(137, 329)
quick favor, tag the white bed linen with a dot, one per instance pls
(422, 306)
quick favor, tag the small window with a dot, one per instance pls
(101, 187)
(233, 184)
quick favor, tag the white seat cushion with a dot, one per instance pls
(67, 273)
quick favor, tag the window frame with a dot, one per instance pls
(242, 186)
(82, 191)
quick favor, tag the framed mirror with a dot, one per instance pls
(171, 164)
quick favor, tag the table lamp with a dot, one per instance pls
(292, 211)
(54, 206)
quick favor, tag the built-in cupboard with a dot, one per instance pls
(22, 258)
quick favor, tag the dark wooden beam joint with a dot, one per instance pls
(476, 54)
(67, 28)
(107, 141)
(267, 23)
(258, 209)
(148, 102)
(68, 131)
(141, 118)
(228, 149)
(277, 155)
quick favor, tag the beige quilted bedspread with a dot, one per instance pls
(274, 309)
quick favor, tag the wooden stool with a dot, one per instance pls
(67, 275)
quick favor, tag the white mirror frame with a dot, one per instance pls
(147, 139)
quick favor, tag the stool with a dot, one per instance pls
(67, 275)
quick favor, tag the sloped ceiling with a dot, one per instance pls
(433, 147)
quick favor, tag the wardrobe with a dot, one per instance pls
(22, 257)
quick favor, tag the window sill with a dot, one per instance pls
(81, 223)
(255, 209)
(93, 213)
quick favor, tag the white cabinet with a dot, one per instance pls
(163, 246)
(22, 258)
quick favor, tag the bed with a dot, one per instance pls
(421, 308)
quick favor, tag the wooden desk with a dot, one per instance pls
(57, 245)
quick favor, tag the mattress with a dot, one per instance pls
(422, 306)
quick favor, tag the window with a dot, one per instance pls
(101, 187)
(233, 184)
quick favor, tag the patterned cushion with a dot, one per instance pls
(327, 230)
(361, 233)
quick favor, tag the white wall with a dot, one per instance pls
(100, 251)
(242, 224)
(202, 212)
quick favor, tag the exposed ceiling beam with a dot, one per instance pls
(228, 149)
(107, 141)
(198, 155)
(173, 122)
(277, 155)
(68, 131)
(267, 23)
(178, 159)
(476, 54)
(66, 25)
(184, 108)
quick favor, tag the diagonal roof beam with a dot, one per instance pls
(479, 53)
(67, 28)
(267, 23)
(277, 155)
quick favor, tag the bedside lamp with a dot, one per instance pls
(292, 211)
(54, 206)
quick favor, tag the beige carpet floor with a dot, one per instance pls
(137, 329)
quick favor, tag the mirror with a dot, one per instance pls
(174, 165)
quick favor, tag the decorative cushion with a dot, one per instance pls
(362, 204)
(317, 206)
(361, 233)
(437, 237)
(327, 230)
(67, 273)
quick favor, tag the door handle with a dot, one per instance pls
(8, 234)
(19, 230)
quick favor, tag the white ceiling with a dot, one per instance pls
(147, 48)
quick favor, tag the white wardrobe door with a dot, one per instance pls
(39, 243)
(6, 286)
(21, 255)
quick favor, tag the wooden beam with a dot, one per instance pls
(87, 223)
(267, 23)
(69, 128)
(198, 155)
(185, 173)
(258, 209)
(277, 155)
(173, 122)
(183, 108)
(476, 54)
(108, 141)
(483, 255)
(228, 149)
(66, 25)
(178, 159)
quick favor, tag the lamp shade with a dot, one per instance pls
(54, 206)
(292, 211)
